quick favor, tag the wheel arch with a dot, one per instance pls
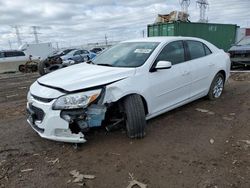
(223, 72)
(145, 104)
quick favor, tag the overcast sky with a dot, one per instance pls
(75, 22)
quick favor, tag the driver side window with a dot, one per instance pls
(173, 52)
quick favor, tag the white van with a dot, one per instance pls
(42, 50)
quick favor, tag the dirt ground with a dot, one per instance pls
(203, 144)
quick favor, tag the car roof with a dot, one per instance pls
(163, 39)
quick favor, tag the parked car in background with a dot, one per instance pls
(14, 60)
(52, 59)
(240, 52)
(72, 57)
(97, 50)
(126, 85)
(76, 54)
(75, 60)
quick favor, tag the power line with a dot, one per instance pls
(184, 5)
(203, 5)
(35, 34)
(19, 41)
(10, 44)
(106, 40)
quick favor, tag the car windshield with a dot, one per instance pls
(129, 54)
(244, 41)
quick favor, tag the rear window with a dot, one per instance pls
(196, 49)
(207, 50)
(14, 54)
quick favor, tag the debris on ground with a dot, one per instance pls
(202, 110)
(11, 96)
(134, 182)
(245, 141)
(53, 161)
(211, 113)
(118, 154)
(211, 141)
(227, 118)
(234, 162)
(69, 181)
(27, 170)
(79, 177)
(1, 162)
(205, 111)
(90, 177)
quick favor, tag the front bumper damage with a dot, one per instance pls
(63, 125)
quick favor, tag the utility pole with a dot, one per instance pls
(57, 46)
(143, 33)
(184, 5)
(19, 41)
(203, 5)
(106, 40)
(10, 44)
(35, 34)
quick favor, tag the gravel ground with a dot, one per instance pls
(203, 144)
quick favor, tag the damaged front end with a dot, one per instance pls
(81, 120)
(66, 118)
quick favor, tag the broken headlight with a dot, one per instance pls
(76, 100)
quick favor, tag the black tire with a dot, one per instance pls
(134, 116)
(211, 94)
(41, 67)
(21, 68)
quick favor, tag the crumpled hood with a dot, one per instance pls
(84, 76)
(240, 48)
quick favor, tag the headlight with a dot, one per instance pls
(77, 100)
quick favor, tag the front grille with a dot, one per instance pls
(38, 113)
(239, 54)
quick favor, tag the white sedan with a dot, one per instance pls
(126, 85)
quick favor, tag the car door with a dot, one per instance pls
(9, 62)
(3, 62)
(170, 87)
(201, 65)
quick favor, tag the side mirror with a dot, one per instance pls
(163, 65)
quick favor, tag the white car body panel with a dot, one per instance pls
(11, 64)
(85, 76)
(41, 50)
(162, 90)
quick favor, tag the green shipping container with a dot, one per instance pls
(221, 35)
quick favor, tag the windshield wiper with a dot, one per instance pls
(104, 64)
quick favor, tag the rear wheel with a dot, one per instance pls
(134, 116)
(216, 87)
(21, 68)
